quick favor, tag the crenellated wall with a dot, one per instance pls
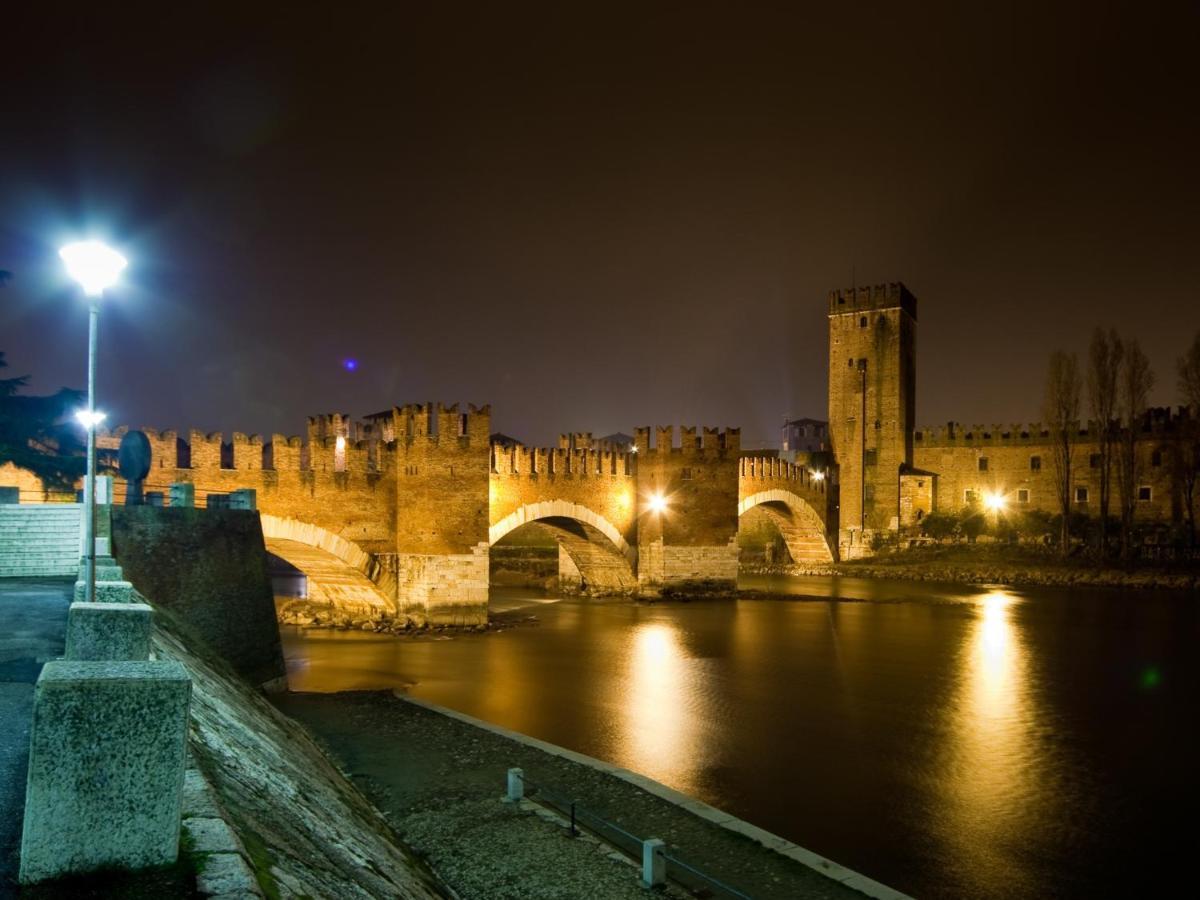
(414, 497)
(799, 498)
(692, 543)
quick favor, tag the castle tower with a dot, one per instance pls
(872, 402)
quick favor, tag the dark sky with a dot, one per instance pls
(593, 216)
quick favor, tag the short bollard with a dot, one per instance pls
(516, 785)
(654, 864)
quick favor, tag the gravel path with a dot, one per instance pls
(440, 780)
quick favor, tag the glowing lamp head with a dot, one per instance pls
(89, 419)
(816, 475)
(995, 502)
(657, 503)
(340, 443)
(95, 265)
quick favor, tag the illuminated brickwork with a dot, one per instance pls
(872, 405)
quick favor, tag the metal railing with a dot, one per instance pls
(658, 864)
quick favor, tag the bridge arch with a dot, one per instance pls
(339, 572)
(604, 561)
(802, 528)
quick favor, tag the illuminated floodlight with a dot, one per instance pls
(633, 448)
(89, 418)
(816, 474)
(995, 501)
(657, 503)
(94, 264)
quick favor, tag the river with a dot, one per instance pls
(949, 741)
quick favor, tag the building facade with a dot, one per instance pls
(891, 473)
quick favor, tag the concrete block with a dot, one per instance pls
(183, 493)
(106, 591)
(243, 498)
(107, 752)
(108, 631)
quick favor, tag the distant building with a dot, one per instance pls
(803, 436)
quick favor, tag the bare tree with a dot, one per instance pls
(1136, 382)
(1061, 413)
(1187, 451)
(1103, 377)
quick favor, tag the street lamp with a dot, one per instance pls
(96, 267)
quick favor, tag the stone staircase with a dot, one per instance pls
(40, 540)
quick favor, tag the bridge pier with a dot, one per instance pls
(688, 515)
(447, 589)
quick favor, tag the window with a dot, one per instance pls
(869, 496)
(1081, 495)
(970, 497)
(1023, 495)
(685, 474)
(1156, 459)
(983, 464)
(862, 323)
(871, 458)
(852, 362)
(1035, 464)
(1094, 460)
(1145, 493)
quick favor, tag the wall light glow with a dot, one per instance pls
(995, 501)
(657, 503)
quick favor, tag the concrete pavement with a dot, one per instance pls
(33, 627)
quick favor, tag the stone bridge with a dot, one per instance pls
(399, 511)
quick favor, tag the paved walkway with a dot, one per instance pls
(439, 780)
(33, 628)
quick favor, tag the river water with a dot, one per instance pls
(946, 740)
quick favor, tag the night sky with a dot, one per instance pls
(593, 216)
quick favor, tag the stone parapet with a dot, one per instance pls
(106, 760)
(108, 631)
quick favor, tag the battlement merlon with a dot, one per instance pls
(892, 295)
(710, 439)
(435, 420)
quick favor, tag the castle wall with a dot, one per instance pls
(353, 501)
(954, 453)
(441, 512)
(601, 481)
(692, 544)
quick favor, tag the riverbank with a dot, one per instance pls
(991, 564)
(444, 801)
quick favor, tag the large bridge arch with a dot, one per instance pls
(802, 528)
(602, 558)
(339, 572)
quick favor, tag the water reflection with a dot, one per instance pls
(991, 741)
(664, 695)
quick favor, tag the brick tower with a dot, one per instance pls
(872, 401)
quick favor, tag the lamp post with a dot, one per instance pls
(96, 267)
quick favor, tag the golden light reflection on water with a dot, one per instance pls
(661, 737)
(991, 771)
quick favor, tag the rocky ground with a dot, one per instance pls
(439, 782)
(996, 565)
